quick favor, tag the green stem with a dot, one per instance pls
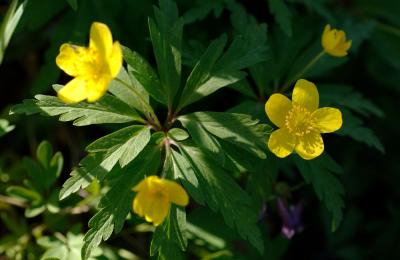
(389, 28)
(153, 118)
(302, 72)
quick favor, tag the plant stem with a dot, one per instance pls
(302, 72)
(153, 118)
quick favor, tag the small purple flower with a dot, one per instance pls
(291, 218)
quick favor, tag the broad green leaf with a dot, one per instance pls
(108, 110)
(238, 129)
(320, 173)
(5, 127)
(9, 23)
(123, 145)
(201, 73)
(116, 204)
(143, 78)
(166, 37)
(224, 195)
(282, 14)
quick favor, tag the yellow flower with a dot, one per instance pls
(92, 67)
(334, 42)
(154, 197)
(300, 122)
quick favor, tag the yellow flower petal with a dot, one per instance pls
(310, 146)
(281, 143)
(334, 42)
(97, 89)
(176, 193)
(305, 94)
(277, 108)
(74, 91)
(327, 119)
(159, 211)
(71, 59)
(101, 39)
(115, 60)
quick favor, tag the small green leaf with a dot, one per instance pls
(107, 110)
(115, 205)
(24, 194)
(282, 15)
(178, 134)
(44, 153)
(319, 173)
(5, 127)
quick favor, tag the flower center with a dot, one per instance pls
(299, 121)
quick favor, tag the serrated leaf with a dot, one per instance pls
(328, 188)
(202, 71)
(123, 145)
(109, 109)
(282, 14)
(202, 9)
(238, 129)
(183, 171)
(115, 205)
(224, 195)
(143, 77)
(129, 90)
(166, 37)
(170, 235)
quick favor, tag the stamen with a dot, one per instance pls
(299, 121)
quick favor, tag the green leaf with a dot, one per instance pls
(178, 134)
(166, 37)
(24, 194)
(5, 127)
(123, 145)
(44, 153)
(202, 9)
(9, 23)
(238, 129)
(143, 77)
(354, 127)
(183, 171)
(345, 96)
(201, 73)
(224, 195)
(115, 205)
(170, 235)
(108, 110)
(319, 173)
(282, 14)
(73, 4)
